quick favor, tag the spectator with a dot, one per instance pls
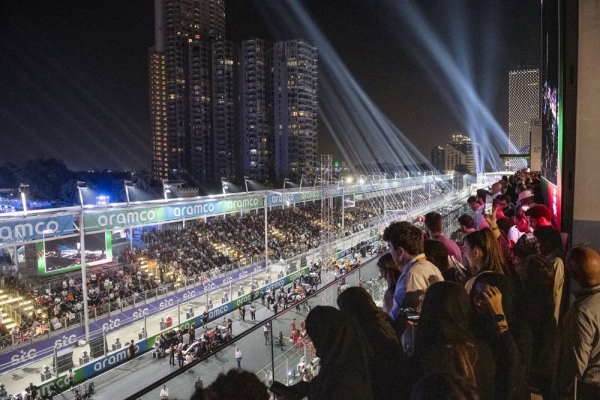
(477, 205)
(406, 243)
(386, 361)
(496, 190)
(235, 385)
(445, 343)
(537, 275)
(343, 354)
(444, 386)
(437, 254)
(390, 271)
(509, 339)
(580, 354)
(434, 225)
(549, 245)
(525, 200)
(483, 254)
(539, 215)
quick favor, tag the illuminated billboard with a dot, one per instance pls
(62, 255)
(552, 107)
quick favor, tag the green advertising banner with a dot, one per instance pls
(124, 218)
(111, 219)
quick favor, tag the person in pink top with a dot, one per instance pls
(434, 223)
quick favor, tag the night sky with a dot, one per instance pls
(74, 77)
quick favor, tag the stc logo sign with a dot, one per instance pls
(190, 294)
(23, 356)
(140, 313)
(111, 325)
(65, 341)
(166, 304)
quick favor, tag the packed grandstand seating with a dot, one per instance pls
(184, 253)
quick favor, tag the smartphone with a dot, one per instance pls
(488, 204)
(458, 267)
(409, 314)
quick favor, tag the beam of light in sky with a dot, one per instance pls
(360, 129)
(479, 122)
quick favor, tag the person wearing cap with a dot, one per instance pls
(539, 215)
(476, 203)
(525, 200)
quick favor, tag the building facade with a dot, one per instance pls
(183, 32)
(295, 109)
(462, 151)
(256, 82)
(438, 158)
(225, 120)
(158, 115)
(523, 107)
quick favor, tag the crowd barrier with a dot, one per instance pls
(119, 356)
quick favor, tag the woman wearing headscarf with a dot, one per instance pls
(344, 372)
(495, 322)
(445, 343)
(386, 362)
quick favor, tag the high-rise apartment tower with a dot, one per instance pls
(183, 32)
(295, 109)
(523, 107)
(256, 76)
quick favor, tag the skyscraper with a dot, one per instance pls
(183, 31)
(158, 115)
(225, 121)
(438, 158)
(523, 107)
(257, 110)
(462, 151)
(295, 109)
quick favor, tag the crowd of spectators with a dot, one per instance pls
(181, 252)
(203, 247)
(487, 318)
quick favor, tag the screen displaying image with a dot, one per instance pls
(349, 201)
(62, 255)
(551, 91)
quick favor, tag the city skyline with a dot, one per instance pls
(78, 88)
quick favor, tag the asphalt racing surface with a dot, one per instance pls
(124, 381)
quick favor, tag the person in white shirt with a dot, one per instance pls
(238, 357)
(406, 243)
(164, 393)
(477, 206)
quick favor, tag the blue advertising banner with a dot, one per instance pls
(117, 357)
(44, 348)
(27, 229)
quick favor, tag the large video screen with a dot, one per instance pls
(62, 255)
(551, 91)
